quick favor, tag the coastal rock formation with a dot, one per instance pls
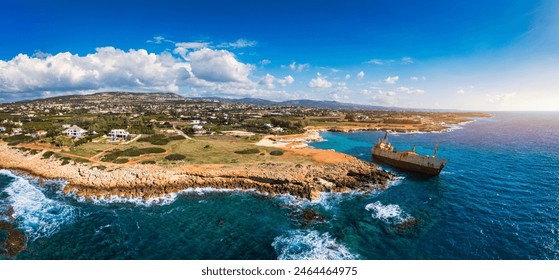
(143, 181)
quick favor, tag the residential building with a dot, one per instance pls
(75, 132)
(40, 133)
(116, 134)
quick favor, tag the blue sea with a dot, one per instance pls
(498, 198)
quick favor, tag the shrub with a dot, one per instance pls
(100, 167)
(176, 137)
(156, 139)
(248, 151)
(175, 157)
(80, 160)
(120, 160)
(48, 154)
(276, 153)
(148, 162)
(207, 147)
(132, 152)
(64, 162)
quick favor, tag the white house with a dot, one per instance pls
(40, 133)
(118, 134)
(198, 129)
(17, 131)
(74, 132)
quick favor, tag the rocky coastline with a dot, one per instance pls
(148, 182)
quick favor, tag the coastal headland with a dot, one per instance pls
(324, 171)
(154, 144)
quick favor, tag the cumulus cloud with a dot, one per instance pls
(391, 79)
(347, 76)
(240, 43)
(267, 81)
(265, 62)
(106, 68)
(184, 47)
(218, 66)
(319, 82)
(297, 67)
(460, 91)
(414, 78)
(111, 68)
(360, 75)
(287, 80)
(385, 98)
(410, 90)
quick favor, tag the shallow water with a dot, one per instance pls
(496, 199)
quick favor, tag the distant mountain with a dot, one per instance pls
(302, 103)
(160, 97)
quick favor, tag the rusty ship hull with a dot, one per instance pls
(407, 160)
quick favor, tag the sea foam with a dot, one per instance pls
(310, 245)
(390, 213)
(35, 213)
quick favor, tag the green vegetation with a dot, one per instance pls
(248, 151)
(114, 155)
(160, 139)
(176, 137)
(48, 154)
(120, 160)
(276, 153)
(148, 162)
(175, 157)
(100, 167)
(18, 139)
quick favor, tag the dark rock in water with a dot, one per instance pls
(15, 241)
(408, 228)
(309, 216)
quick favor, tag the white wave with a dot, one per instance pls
(310, 245)
(391, 213)
(36, 214)
(396, 181)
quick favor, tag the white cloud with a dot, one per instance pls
(377, 61)
(414, 78)
(410, 90)
(267, 81)
(297, 67)
(159, 39)
(106, 68)
(113, 69)
(391, 79)
(319, 82)
(499, 98)
(240, 43)
(347, 76)
(407, 60)
(286, 81)
(265, 62)
(460, 91)
(183, 47)
(385, 98)
(218, 66)
(360, 75)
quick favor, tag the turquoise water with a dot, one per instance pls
(498, 198)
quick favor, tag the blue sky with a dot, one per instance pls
(486, 55)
